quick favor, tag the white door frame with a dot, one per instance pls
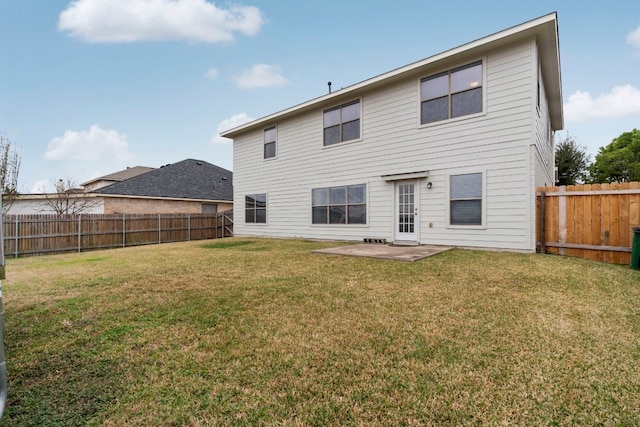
(406, 208)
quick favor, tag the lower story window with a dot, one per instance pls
(465, 199)
(339, 205)
(255, 208)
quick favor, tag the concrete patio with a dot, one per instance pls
(385, 251)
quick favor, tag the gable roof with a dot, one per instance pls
(544, 29)
(188, 179)
(122, 175)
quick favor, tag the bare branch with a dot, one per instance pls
(69, 199)
(9, 170)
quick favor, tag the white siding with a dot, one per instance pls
(496, 143)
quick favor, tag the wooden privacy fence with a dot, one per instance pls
(593, 221)
(26, 235)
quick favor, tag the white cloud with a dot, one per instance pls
(94, 144)
(633, 38)
(621, 101)
(230, 123)
(260, 75)
(212, 73)
(157, 20)
(41, 186)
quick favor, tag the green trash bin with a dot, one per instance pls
(635, 248)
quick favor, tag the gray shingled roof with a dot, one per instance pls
(127, 173)
(188, 179)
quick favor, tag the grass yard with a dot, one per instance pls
(264, 332)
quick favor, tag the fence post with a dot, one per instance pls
(543, 214)
(189, 227)
(124, 231)
(159, 230)
(16, 239)
(79, 233)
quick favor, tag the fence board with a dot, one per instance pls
(28, 235)
(590, 221)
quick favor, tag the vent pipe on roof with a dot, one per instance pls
(329, 84)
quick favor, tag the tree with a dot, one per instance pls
(572, 161)
(69, 199)
(619, 161)
(9, 170)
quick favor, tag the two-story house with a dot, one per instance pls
(448, 150)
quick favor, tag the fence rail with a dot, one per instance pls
(28, 235)
(592, 221)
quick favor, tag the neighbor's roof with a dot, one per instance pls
(543, 29)
(122, 175)
(188, 179)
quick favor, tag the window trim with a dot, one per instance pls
(341, 106)
(483, 202)
(264, 142)
(483, 62)
(255, 209)
(346, 204)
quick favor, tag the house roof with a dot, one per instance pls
(544, 29)
(188, 179)
(122, 175)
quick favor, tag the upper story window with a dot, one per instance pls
(342, 123)
(270, 142)
(454, 93)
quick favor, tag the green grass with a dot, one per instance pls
(265, 332)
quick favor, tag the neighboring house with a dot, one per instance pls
(189, 186)
(115, 177)
(41, 203)
(448, 150)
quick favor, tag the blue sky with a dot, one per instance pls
(89, 87)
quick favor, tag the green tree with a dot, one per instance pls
(9, 169)
(572, 162)
(619, 161)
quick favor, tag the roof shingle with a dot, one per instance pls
(188, 179)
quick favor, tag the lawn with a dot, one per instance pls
(265, 332)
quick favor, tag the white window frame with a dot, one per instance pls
(274, 142)
(483, 112)
(483, 203)
(328, 224)
(266, 209)
(341, 106)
